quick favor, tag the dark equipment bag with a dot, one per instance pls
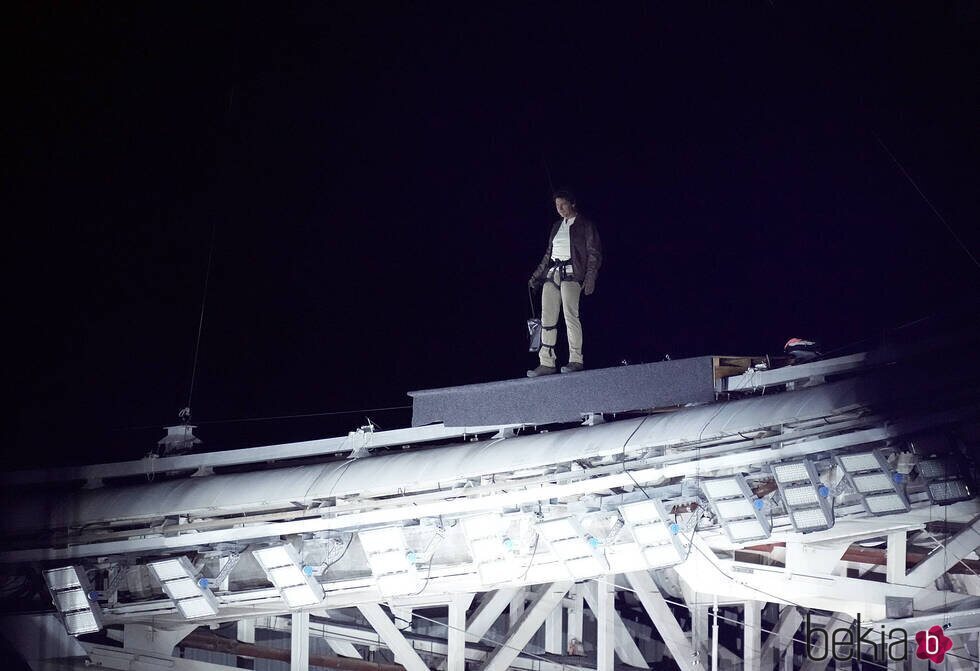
(533, 327)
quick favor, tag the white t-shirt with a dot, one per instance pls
(561, 244)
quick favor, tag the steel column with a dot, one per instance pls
(456, 634)
(752, 632)
(895, 561)
(545, 601)
(604, 606)
(487, 613)
(299, 641)
(626, 647)
(405, 654)
(663, 619)
(553, 631)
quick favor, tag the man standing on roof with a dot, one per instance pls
(567, 270)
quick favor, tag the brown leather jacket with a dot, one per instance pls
(586, 251)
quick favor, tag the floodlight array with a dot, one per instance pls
(739, 510)
(491, 548)
(70, 589)
(803, 495)
(391, 562)
(177, 578)
(870, 476)
(573, 547)
(945, 481)
(295, 582)
(658, 536)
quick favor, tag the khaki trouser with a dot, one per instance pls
(565, 299)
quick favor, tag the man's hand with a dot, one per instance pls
(533, 283)
(588, 286)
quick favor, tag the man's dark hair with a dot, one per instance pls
(566, 194)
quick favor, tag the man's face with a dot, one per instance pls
(565, 207)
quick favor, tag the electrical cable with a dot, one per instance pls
(928, 202)
(200, 323)
(273, 417)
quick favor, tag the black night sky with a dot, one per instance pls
(374, 174)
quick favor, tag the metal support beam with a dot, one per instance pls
(402, 617)
(604, 607)
(574, 627)
(245, 634)
(714, 635)
(789, 621)
(626, 648)
(752, 632)
(422, 643)
(545, 601)
(111, 657)
(663, 619)
(516, 610)
(299, 641)
(895, 562)
(487, 613)
(957, 547)
(456, 634)
(152, 639)
(836, 621)
(404, 652)
(553, 631)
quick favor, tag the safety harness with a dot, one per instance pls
(559, 271)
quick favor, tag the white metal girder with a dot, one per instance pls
(743, 581)
(249, 455)
(895, 556)
(574, 627)
(299, 641)
(603, 604)
(956, 548)
(456, 632)
(245, 630)
(154, 639)
(789, 621)
(752, 633)
(553, 643)
(766, 378)
(512, 497)
(959, 657)
(516, 610)
(545, 600)
(625, 646)
(837, 621)
(663, 619)
(488, 611)
(405, 654)
(110, 657)
(813, 558)
(346, 633)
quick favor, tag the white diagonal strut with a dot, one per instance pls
(626, 648)
(405, 654)
(487, 613)
(665, 622)
(940, 561)
(789, 621)
(544, 601)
